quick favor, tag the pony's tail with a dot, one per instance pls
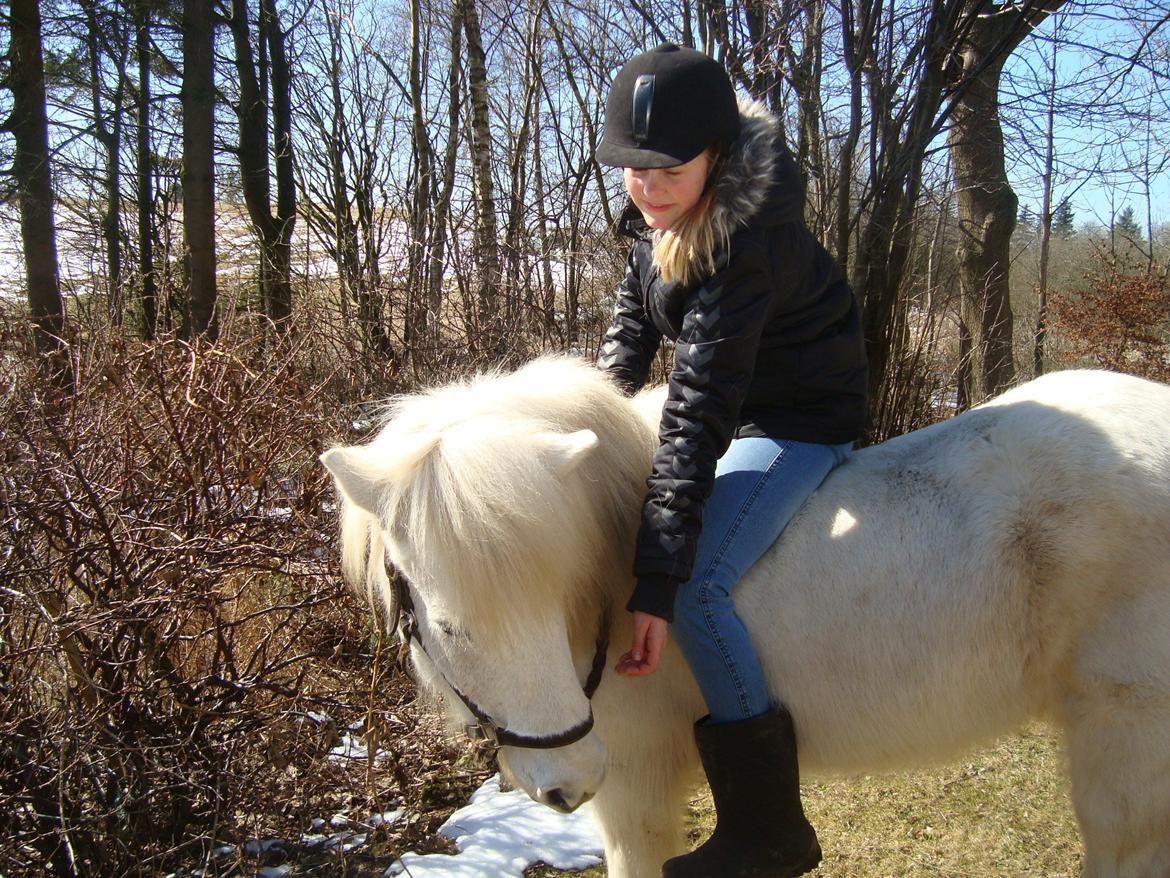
(363, 558)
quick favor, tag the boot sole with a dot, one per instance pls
(810, 862)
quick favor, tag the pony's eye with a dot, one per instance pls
(451, 630)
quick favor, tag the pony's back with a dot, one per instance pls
(943, 578)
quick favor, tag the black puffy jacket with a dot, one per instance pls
(770, 344)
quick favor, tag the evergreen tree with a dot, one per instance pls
(1125, 225)
(1062, 220)
(1027, 221)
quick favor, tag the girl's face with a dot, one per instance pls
(665, 194)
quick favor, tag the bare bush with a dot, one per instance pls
(173, 634)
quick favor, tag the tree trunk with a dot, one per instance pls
(198, 177)
(340, 145)
(1041, 330)
(547, 299)
(107, 129)
(29, 126)
(857, 35)
(273, 230)
(145, 162)
(886, 236)
(806, 82)
(987, 204)
(765, 83)
(486, 251)
(418, 305)
(443, 197)
(518, 196)
(280, 300)
(987, 208)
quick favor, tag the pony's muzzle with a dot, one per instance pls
(561, 800)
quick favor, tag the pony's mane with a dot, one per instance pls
(496, 523)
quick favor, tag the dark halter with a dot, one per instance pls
(485, 728)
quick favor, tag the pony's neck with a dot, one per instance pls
(620, 493)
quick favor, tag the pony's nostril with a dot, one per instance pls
(554, 798)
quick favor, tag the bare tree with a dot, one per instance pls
(1047, 173)
(520, 196)
(343, 110)
(107, 36)
(444, 192)
(29, 126)
(904, 98)
(987, 203)
(198, 98)
(419, 316)
(144, 158)
(258, 81)
(487, 256)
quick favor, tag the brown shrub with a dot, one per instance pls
(1121, 322)
(172, 626)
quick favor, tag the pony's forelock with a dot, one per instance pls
(494, 524)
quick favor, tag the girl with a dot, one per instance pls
(766, 396)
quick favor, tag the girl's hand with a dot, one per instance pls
(649, 638)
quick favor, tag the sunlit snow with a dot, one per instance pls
(500, 834)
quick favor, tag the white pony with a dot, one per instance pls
(935, 592)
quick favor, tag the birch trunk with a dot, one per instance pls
(487, 256)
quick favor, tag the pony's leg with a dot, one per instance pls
(641, 816)
(1117, 719)
(1120, 765)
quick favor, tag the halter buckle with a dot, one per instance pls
(482, 732)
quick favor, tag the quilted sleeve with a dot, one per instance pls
(713, 367)
(632, 340)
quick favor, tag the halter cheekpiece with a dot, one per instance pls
(485, 728)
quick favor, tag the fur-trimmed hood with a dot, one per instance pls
(743, 183)
(757, 178)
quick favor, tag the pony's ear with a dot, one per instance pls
(357, 475)
(362, 471)
(567, 450)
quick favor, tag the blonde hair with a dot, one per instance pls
(686, 251)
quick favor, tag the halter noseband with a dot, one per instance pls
(485, 728)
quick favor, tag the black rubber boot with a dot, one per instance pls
(761, 830)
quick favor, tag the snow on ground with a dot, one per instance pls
(500, 834)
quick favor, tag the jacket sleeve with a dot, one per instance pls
(632, 340)
(713, 366)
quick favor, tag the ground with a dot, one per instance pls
(1003, 811)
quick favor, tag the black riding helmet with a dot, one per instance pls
(665, 107)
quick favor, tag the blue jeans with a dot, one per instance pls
(760, 483)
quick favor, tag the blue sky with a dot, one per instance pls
(1102, 147)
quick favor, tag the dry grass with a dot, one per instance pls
(1002, 811)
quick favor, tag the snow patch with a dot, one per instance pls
(501, 834)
